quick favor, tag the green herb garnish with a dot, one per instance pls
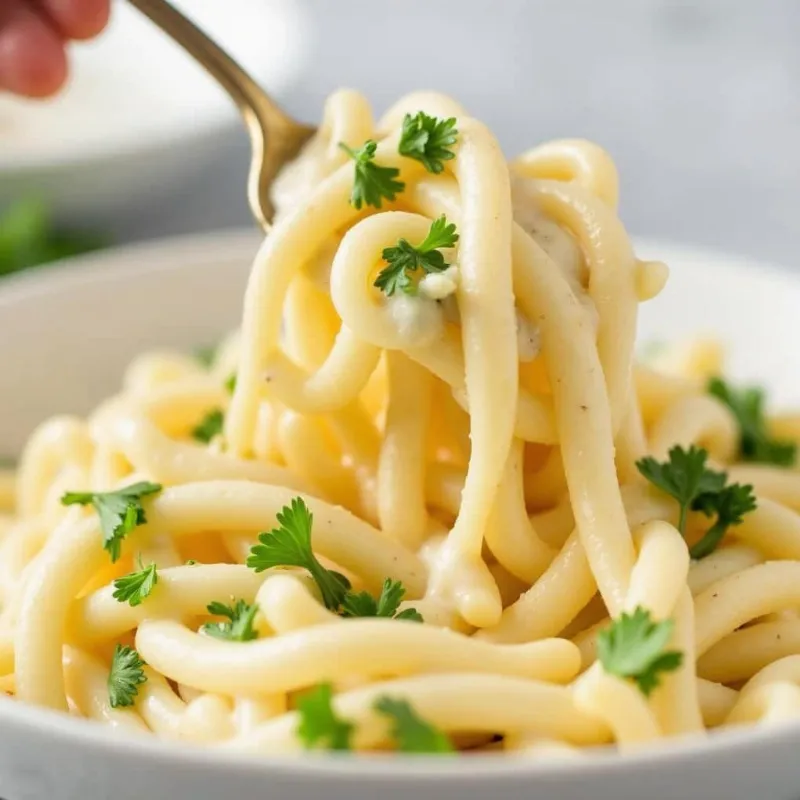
(210, 426)
(290, 546)
(729, 506)
(411, 733)
(686, 477)
(238, 628)
(125, 676)
(372, 183)
(405, 258)
(428, 139)
(120, 511)
(363, 604)
(634, 647)
(319, 723)
(755, 442)
(136, 586)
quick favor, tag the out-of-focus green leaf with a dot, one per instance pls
(28, 238)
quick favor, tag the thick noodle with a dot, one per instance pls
(478, 445)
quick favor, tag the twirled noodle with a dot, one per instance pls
(469, 450)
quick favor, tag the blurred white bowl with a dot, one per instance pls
(139, 116)
(74, 328)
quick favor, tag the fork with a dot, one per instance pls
(275, 137)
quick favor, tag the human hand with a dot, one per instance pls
(33, 37)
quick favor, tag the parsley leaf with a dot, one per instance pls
(125, 676)
(372, 183)
(210, 426)
(133, 588)
(404, 258)
(290, 546)
(120, 511)
(28, 237)
(684, 477)
(239, 627)
(633, 647)
(206, 354)
(755, 443)
(412, 733)
(319, 723)
(428, 139)
(363, 604)
(730, 505)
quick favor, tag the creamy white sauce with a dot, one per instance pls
(418, 319)
(558, 243)
(439, 285)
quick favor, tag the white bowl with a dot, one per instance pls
(67, 334)
(140, 116)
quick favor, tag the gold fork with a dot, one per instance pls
(275, 137)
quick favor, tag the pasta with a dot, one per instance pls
(469, 443)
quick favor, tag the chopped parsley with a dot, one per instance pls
(290, 546)
(372, 184)
(136, 586)
(120, 511)
(755, 442)
(363, 604)
(634, 647)
(238, 628)
(210, 426)
(729, 506)
(320, 725)
(405, 258)
(686, 477)
(428, 139)
(411, 733)
(125, 676)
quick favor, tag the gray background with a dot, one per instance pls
(698, 102)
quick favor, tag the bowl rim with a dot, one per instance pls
(182, 253)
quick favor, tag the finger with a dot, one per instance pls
(32, 57)
(78, 19)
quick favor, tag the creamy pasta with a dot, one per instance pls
(470, 446)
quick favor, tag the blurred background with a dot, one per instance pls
(698, 103)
